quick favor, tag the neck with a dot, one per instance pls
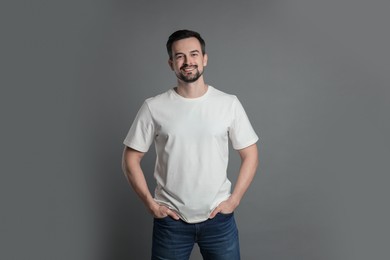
(191, 90)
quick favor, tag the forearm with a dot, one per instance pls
(131, 165)
(249, 164)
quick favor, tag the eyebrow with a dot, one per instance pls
(181, 53)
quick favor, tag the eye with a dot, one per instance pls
(180, 56)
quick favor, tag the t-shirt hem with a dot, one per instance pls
(192, 220)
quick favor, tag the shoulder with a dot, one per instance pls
(158, 99)
(222, 96)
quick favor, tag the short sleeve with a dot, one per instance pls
(141, 133)
(241, 132)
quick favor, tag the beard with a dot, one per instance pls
(189, 78)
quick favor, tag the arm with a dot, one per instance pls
(249, 163)
(131, 164)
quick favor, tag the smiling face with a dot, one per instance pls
(187, 61)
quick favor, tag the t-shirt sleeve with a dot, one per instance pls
(241, 132)
(141, 133)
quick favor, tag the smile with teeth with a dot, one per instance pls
(189, 69)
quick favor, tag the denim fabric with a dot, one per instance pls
(217, 238)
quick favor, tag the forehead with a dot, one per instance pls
(186, 45)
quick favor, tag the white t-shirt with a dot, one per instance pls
(191, 138)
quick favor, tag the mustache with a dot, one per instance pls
(186, 65)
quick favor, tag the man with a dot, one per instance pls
(191, 125)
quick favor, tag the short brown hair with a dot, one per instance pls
(184, 34)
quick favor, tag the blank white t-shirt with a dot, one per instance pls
(191, 137)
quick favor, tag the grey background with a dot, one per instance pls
(313, 77)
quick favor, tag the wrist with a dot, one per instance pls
(234, 200)
(152, 206)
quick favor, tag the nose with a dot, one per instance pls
(187, 60)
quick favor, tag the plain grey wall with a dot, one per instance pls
(313, 77)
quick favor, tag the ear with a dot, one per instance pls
(205, 59)
(170, 63)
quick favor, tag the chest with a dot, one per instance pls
(199, 122)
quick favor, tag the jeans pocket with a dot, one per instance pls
(226, 215)
(163, 218)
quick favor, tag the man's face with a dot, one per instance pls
(187, 60)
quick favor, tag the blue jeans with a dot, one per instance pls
(217, 238)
